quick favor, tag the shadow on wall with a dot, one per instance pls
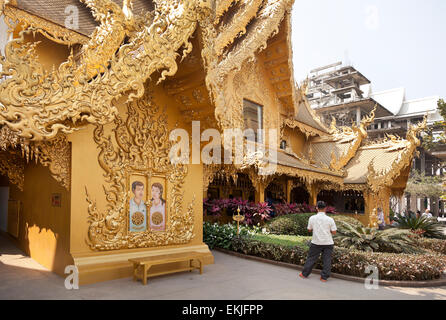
(44, 224)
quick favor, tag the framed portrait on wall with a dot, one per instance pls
(137, 205)
(158, 207)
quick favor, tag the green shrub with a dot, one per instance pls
(293, 224)
(296, 224)
(351, 262)
(373, 240)
(221, 236)
(431, 228)
(338, 219)
(283, 240)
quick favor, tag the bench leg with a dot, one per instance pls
(144, 280)
(135, 271)
(201, 266)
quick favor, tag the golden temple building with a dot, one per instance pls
(91, 91)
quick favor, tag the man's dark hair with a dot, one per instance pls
(137, 184)
(321, 205)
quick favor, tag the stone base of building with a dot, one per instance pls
(100, 267)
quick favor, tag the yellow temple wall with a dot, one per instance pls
(255, 86)
(86, 173)
(44, 230)
(296, 139)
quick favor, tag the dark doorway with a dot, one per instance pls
(300, 195)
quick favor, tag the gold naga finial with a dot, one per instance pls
(127, 7)
(415, 130)
(368, 120)
(333, 127)
(304, 86)
(334, 160)
(311, 154)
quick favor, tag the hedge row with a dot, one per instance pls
(349, 262)
(435, 245)
(296, 224)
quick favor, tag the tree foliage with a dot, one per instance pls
(424, 186)
(429, 140)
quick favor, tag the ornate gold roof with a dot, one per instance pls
(126, 42)
(232, 33)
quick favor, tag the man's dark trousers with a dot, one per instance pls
(313, 256)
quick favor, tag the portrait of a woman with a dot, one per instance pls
(158, 208)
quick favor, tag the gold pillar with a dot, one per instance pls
(313, 191)
(289, 187)
(260, 193)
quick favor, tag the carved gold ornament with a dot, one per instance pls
(224, 59)
(52, 31)
(54, 154)
(38, 104)
(157, 218)
(137, 218)
(385, 178)
(355, 136)
(139, 144)
(12, 165)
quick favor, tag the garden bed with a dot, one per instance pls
(293, 250)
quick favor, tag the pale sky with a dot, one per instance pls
(394, 43)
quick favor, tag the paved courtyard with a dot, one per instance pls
(229, 278)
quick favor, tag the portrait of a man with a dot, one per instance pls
(138, 209)
(158, 208)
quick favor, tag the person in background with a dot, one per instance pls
(418, 213)
(323, 228)
(381, 221)
(427, 214)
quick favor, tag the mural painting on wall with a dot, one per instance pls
(147, 215)
(158, 208)
(138, 208)
(145, 196)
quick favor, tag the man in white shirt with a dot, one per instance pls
(323, 227)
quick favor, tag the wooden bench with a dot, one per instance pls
(142, 265)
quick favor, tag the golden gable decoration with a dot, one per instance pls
(38, 104)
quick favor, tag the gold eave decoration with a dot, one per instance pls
(306, 129)
(301, 98)
(237, 26)
(54, 154)
(379, 180)
(12, 165)
(48, 29)
(356, 134)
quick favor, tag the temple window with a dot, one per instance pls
(283, 144)
(253, 116)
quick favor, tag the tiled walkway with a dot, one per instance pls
(229, 278)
